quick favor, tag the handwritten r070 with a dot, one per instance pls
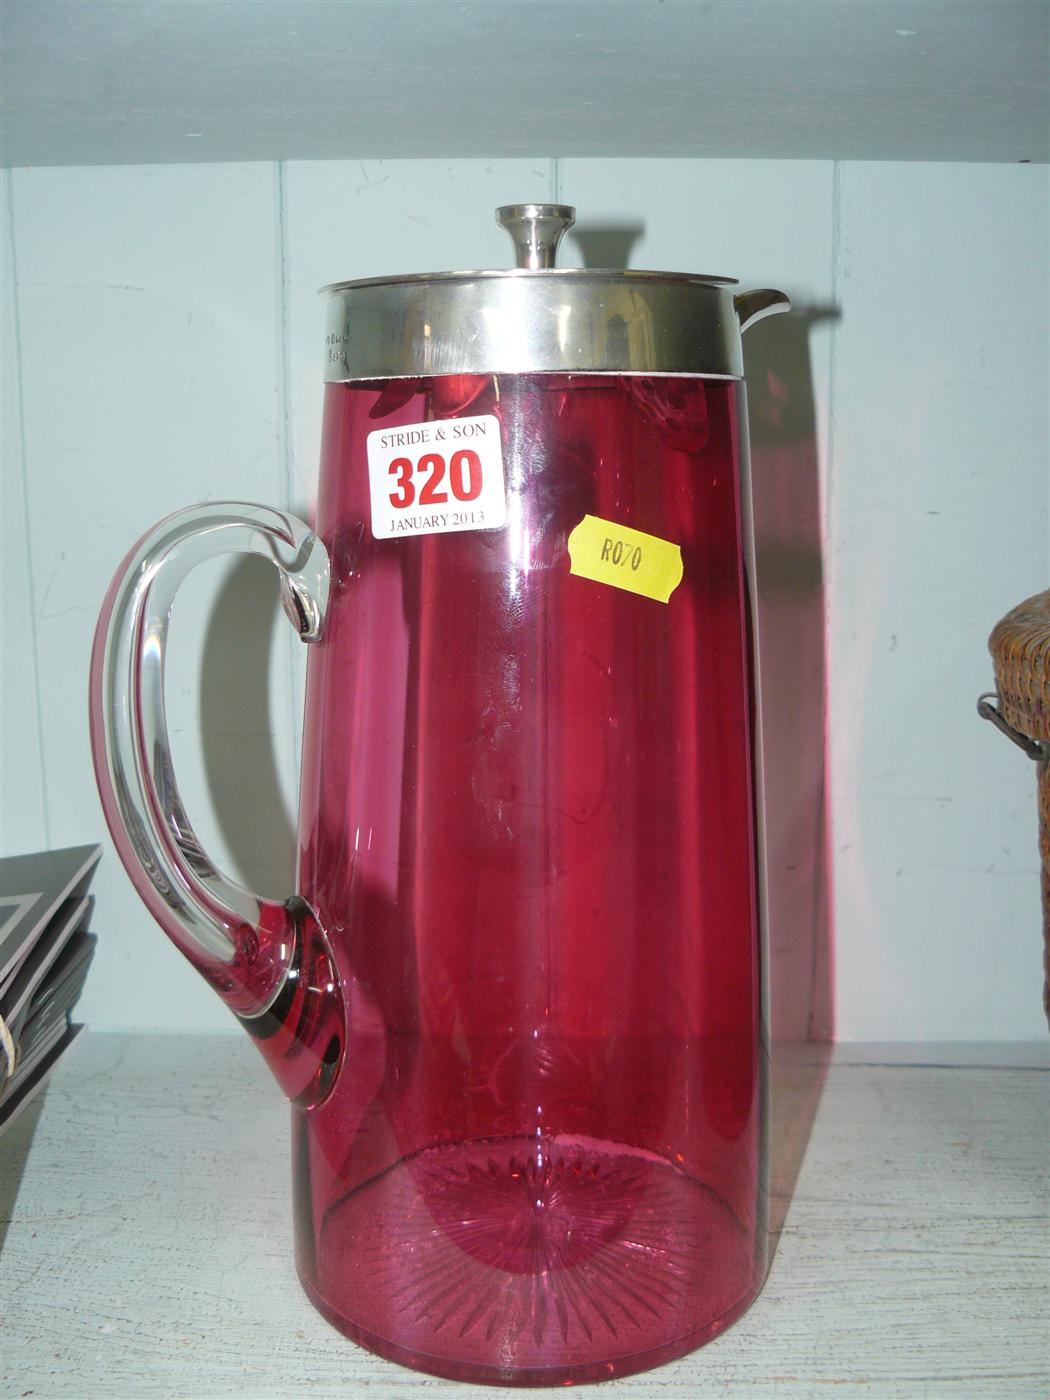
(616, 552)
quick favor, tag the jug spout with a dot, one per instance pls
(753, 306)
(268, 960)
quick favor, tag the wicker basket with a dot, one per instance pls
(1020, 647)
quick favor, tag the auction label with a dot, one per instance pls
(433, 478)
(624, 558)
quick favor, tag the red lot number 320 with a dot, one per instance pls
(462, 473)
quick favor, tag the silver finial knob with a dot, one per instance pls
(536, 230)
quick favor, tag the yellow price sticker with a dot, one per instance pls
(624, 558)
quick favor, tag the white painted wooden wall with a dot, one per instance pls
(161, 345)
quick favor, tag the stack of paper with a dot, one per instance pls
(45, 950)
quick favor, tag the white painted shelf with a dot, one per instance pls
(149, 1250)
(176, 80)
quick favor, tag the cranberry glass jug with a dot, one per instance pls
(516, 999)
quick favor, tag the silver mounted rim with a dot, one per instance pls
(539, 319)
(558, 321)
(599, 274)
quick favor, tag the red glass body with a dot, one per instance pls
(528, 828)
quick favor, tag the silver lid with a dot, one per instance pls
(538, 319)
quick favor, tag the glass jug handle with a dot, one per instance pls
(268, 961)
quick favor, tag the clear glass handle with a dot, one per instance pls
(268, 961)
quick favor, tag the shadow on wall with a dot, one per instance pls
(785, 478)
(237, 724)
(606, 245)
(787, 520)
